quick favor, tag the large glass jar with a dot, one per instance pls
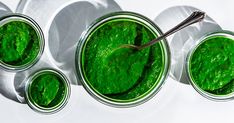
(125, 82)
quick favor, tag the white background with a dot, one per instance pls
(176, 102)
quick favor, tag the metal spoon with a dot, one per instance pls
(120, 56)
(195, 17)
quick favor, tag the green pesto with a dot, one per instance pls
(123, 75)
(19, 43)
(212, 65)
(47, 90)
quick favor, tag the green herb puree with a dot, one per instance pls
(126, 77)
(212, 65)
(47, 90)
(19, 43)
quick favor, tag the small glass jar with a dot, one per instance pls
(137, 18)
(26, 53)
(37, 85)
(216, 94)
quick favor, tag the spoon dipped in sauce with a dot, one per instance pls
(126, 50)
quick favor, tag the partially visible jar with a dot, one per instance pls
(47, 91)
(129, 25)
(210, 66)
(21, 42)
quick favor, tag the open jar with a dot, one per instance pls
(210, 66)
(128, 81)
(21, 42)
(47, 91)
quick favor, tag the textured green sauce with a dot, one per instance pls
(132, 74)
(212, 65)
(19, 43)
(47, 90)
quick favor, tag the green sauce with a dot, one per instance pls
(127, 77)
(19, 43)
(212, 65)
(47, 90)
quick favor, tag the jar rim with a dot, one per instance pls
(32, 23)
(145, 22)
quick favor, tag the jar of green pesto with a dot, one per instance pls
(124, 81)
(47, 91)
(210, 66)
(21, 42)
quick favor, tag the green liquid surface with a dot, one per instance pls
(212, 65)
(19, 43)
(132, 74)
(47, 90)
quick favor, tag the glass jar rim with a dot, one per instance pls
(147, 23)
(55, 108)
(28, 20)
(210, 96)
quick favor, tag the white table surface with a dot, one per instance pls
(176, 102)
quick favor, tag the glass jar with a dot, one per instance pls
(22, 42)
(209, 66)
(47, 91)
(142, 97)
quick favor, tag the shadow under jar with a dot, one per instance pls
(47, 91)
(210, 66)
(21, 42)
(131, 79)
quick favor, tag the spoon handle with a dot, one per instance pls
(195, 17)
